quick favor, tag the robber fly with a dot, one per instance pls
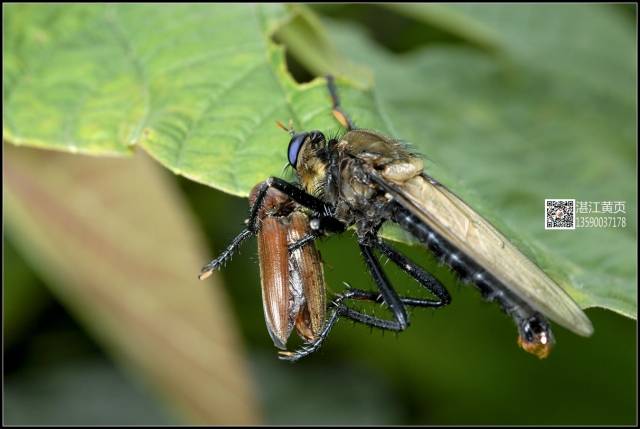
(363, 179)
(291, 271)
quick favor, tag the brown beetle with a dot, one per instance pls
(293, 287)
(291, 271)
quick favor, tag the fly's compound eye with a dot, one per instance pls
(294, 147)
(298, 140)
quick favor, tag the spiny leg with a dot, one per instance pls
(322, 210)
(338, 113)
(303, 241)
(208, 269)
(296, 194)
(320, 226)
(253, 224)
(415, 271)
(387, 294)
(341, 310)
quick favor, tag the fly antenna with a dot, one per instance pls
(288, 129)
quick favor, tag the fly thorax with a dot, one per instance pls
(402, 170)
(358, 197)
(353, 186)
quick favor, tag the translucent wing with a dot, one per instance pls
(459, 224)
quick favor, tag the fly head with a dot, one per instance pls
(303, 146)
(307, 154)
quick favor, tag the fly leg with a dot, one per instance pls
(338, 113)
(296, 194)
(323, 211)
(342, 310)
(387, 294)
(320, 226)
(423, 277)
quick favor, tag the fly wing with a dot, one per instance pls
(459, 224)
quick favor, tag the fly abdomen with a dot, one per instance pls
(484, 286)
(468, 270)
(534, 333)
(445, 252)
(419, 230)
(459, 265)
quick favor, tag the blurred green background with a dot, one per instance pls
(459, 365)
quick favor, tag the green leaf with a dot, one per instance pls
(591, 44)
(201, 96)
(306, 40)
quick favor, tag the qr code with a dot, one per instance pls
(560, 214)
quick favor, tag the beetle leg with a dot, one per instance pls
(226, 254)
(322, 210)
(304, 240)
